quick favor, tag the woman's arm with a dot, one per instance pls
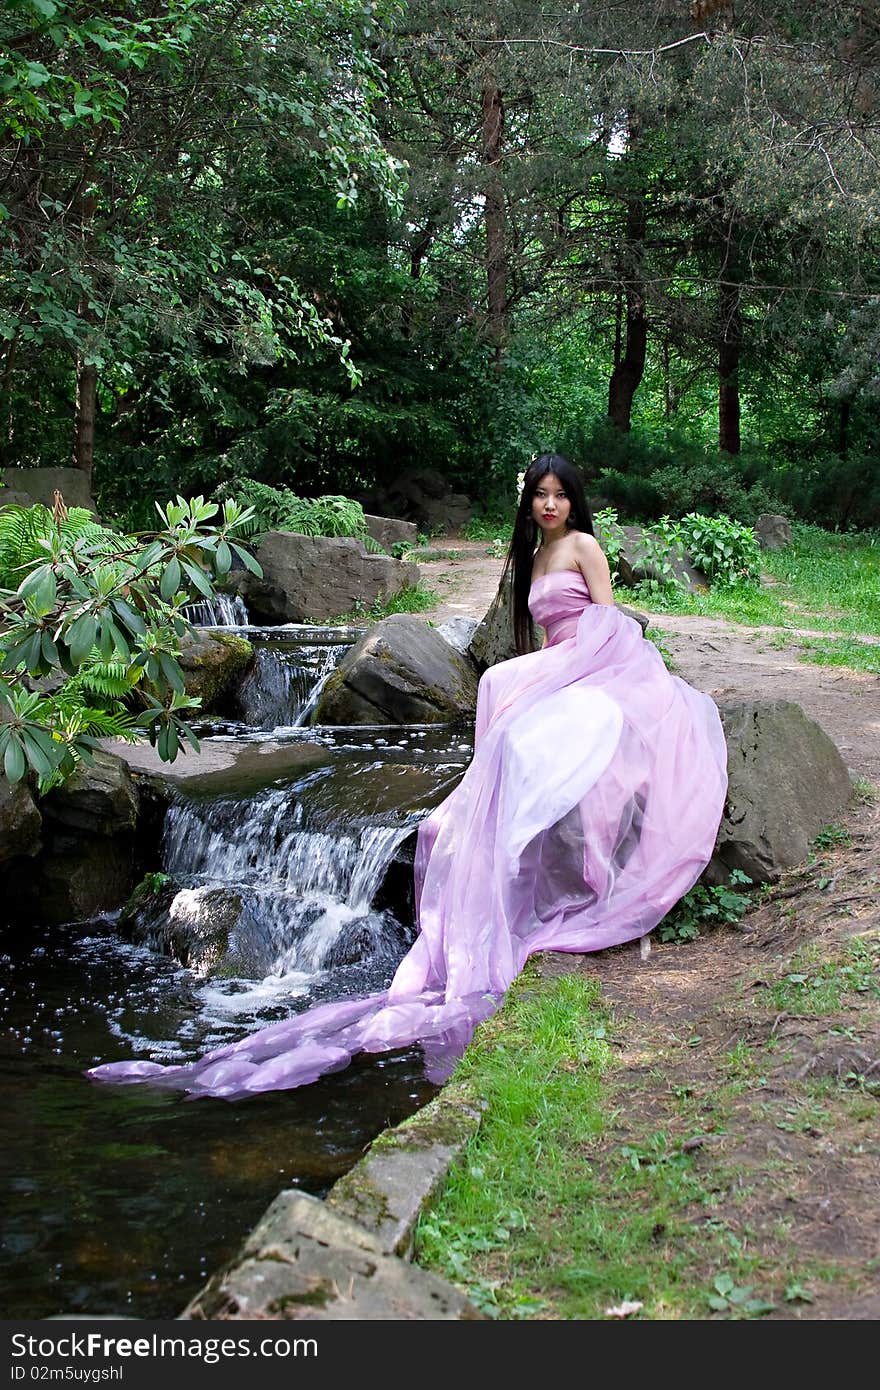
(594, 567)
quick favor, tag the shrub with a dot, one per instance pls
(726, 551)
(279, 509)
(704, 906)
(105, 611)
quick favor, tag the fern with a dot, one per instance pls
(23, 528)
(279, 509)
(112, 679)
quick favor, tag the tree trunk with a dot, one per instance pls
(729, 345)
(494, 221)
(84, 417)
(843, 429)
(629, 367)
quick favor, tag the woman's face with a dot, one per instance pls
(551, 507)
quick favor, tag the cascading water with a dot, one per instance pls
(122, 1200)
(223, 610)
(287, 678)
(290, 901)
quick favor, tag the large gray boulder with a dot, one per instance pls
(773, 532)
(100, 799)
(400, 672)
(20, 822)
(212, 663)
(391, 530)
(787, 781)
(315, 578)
(636, 563)
(424, 496)
(304, 1260)
(29, 485)
(98, 837)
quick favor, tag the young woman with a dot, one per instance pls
(590, 807)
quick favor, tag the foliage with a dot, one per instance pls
(610, 535)
(133, 145)
(23, 531)
(106, 612)
(279, 509)
(705, 906)
(726, 551)
(489, 527)
(412, 598)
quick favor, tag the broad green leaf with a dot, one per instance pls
(247, 560)
(80, 637)
(171, 671)
(224, 558)
(198, 578)
(170, 581)
(13, 761)
(36, 756)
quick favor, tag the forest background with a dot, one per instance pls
(315, 242)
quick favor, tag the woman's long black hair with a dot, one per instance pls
(525, 536)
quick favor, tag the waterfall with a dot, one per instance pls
(285, 683)
(223, 610)
(293, 897)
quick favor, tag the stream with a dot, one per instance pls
(286, 872)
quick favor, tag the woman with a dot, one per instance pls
(590, 807)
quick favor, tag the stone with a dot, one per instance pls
(493, 639)
(424, 496)
(212, 662)
(98, 833)
(194, 926)
(39, 484)
(21, 824)
(99, 799)
(634, 564)
(787, 781)
(82, 876)
(389, 531)
(459, 631)
(315, 578)
(305, 1261)
(401, 672)
(405, 1167)
(773, 532)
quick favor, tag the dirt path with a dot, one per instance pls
(757, 1049)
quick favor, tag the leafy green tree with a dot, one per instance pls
(125, 130)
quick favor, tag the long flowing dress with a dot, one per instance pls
(590, 807)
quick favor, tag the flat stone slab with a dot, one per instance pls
(389, 1187)
(221, 767)
(305, 1261)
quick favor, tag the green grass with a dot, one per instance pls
(491, 528)
(548, 1214)
(429, 553)
(823, 581)
(840, 651)
(415, 598)
(817, 984)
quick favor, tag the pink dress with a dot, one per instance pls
(590, 807)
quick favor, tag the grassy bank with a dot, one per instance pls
(631, 1166)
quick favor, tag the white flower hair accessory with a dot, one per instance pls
(520, 482)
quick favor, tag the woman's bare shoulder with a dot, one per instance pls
(586, 546)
